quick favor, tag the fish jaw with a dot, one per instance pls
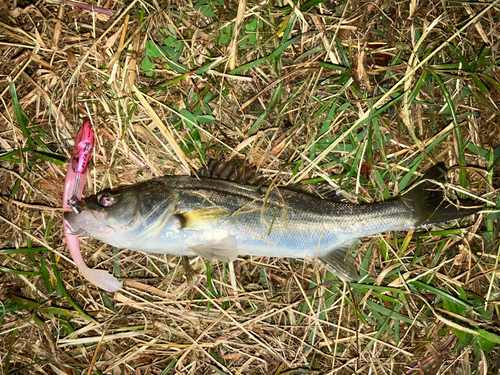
(72, 224)
(89, 223)
(99, 225)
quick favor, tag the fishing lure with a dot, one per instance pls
(73, 189)
(82, 153)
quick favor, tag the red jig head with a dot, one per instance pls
(84, 145)
(80, 158)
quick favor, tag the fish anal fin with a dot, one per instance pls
(225, 249)
(340, 262)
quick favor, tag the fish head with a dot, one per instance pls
(122, 217)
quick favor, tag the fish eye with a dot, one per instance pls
(106, 199)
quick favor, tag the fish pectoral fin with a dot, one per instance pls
(225, 249)
(340, 262)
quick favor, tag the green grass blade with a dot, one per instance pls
(9, 351)
(458, 133)
(270, 107)
(65, 292)
(19, 113)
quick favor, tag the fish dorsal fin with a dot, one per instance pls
(232, 171)
(322, 190)
(247, 174)
(340, 262)
(225, 249)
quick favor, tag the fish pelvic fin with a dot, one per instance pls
(429, 203)
(340, 262)
(225, 249)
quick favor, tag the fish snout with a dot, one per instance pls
(67, 218)
(71, 220)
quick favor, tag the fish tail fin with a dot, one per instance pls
(340, 262)
(429, 203)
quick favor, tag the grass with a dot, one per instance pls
(368, 95)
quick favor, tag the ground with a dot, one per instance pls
(366, 94)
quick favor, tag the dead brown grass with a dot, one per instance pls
(70, 64)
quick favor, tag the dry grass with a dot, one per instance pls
(371, 93)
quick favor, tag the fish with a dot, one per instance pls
(218, 218)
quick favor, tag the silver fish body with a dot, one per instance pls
(222, 219)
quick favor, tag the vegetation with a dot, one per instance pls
(365, 94)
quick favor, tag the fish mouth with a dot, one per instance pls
(70, 229)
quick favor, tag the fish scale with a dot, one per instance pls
(220, 219)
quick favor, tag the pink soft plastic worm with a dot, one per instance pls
(73, 188)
